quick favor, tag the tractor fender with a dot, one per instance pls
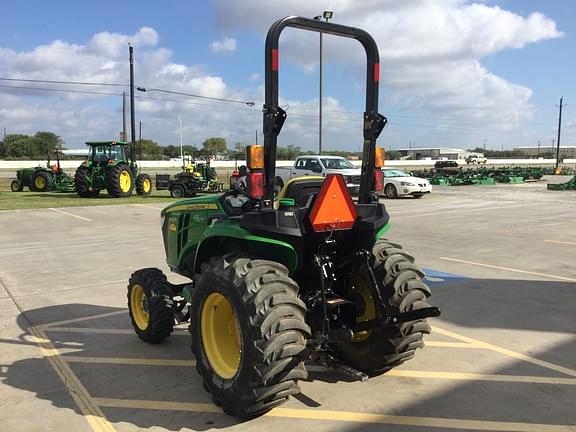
(224, 238)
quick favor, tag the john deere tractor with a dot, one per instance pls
(275, 285)
(39, 179)
(111, 166)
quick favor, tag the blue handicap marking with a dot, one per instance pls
(435, 277)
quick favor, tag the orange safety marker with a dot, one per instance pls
(333, 209)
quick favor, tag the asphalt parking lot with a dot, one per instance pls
(502, 357)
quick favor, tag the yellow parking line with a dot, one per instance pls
(86, 318)
(85, 402)
(346, 416)
(103, 331)
(561, 242)
(480, 377)
(510, 269)
(439, 344)
(129, 361)
(507, 352)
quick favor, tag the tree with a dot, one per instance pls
(393, 155)
(149, 150)
(214, 146)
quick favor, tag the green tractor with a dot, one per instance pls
(39, 179)
(110, 165)
(276, 284)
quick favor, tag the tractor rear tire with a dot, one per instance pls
(248, 334)
(42, 182)
(119, 182)
(150, 305)
(16, 186)
(379, 350)
(143, 184)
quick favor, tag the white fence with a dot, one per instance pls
(72, 164)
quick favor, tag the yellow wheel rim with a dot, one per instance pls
(359, 287)
(125, 181)
(146, 185)
(221, 336)
(139, 307)
(40, 182)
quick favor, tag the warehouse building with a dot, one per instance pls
(568, 152)
(436, 153)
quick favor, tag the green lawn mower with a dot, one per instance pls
(39, 179)
(112, 167)
(278, 284)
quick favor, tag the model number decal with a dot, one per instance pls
(199, 206)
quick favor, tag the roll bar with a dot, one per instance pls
(274, 116)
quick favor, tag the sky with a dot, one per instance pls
(453, 73)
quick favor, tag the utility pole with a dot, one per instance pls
(132, 116)
(538, 148)
(558, 140)
(256, 136)
(140, 141)
(124, 137)
(326, 15)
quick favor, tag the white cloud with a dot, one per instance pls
(223, 46)
(78, 117)
(431, 51)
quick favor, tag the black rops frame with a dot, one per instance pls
(274, 116)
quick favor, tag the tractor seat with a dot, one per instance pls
(300, 189)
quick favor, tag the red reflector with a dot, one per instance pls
(378, 181)
(333, 208)
(256, 185)
(376, 72)
(275, 59)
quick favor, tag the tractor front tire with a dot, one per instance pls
(143, 184)
(16, 186)
(42, 182)
(82, 184)
(150, 305)
(119, 182)
(248, 334)
(379, 350)
(177, 191)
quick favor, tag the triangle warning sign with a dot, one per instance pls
(333, 209)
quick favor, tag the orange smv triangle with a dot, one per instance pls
(333, 209)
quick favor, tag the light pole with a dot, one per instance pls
(326, 15)
(181, 147)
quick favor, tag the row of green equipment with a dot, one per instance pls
(569, 185)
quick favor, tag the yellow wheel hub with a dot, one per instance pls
(125, 181)
(221, 336)
(40, 182)
(359, 287)
(146, 185)
(139, 306)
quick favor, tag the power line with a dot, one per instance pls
(145, 89)
(63, 82)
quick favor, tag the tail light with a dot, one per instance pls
(256, 185)
(255, 156)
(379, 157)
(378, 185)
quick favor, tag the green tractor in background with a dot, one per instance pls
(111, 166)
(39, 179)
(277, 283)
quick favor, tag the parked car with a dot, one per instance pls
(311, 165)
(446, 164)
(398, 183)
(475, 159)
